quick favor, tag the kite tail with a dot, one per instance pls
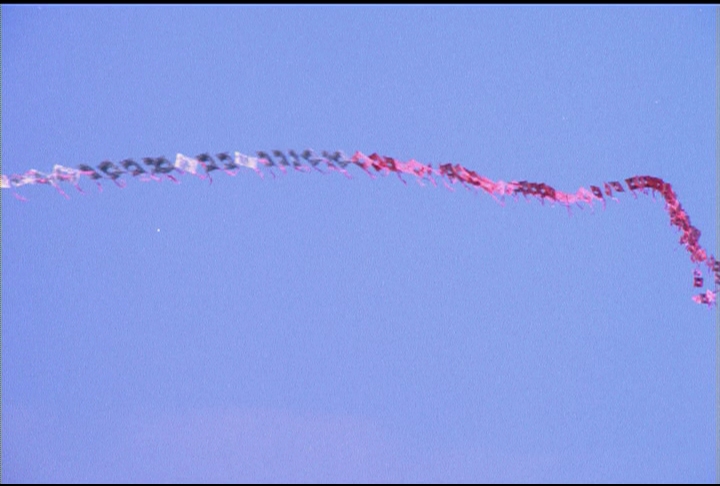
(159, 168)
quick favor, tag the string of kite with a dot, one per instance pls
(159, 168)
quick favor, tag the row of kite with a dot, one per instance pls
(203, 165)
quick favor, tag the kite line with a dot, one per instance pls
(159, 168)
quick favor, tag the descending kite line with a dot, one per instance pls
(158, 168)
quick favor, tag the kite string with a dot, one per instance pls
(158, 168)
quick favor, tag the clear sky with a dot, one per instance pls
(317, 328)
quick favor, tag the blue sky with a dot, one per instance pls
(315, 328)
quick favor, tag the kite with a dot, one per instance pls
(160, 168)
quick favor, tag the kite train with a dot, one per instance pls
(158, 168)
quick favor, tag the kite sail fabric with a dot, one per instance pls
(159, 168)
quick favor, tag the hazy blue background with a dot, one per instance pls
(314, 328)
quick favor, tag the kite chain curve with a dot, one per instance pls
(159, 168)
